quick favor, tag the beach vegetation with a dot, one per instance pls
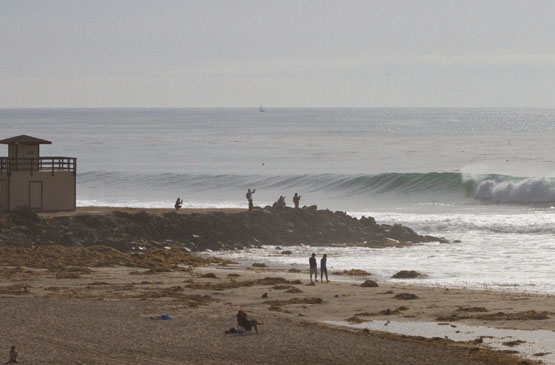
(56, 256)
(16, 289)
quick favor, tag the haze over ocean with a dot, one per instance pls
(483, 176)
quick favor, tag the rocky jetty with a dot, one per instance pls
(197, 232)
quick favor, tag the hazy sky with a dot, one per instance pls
(297, 53)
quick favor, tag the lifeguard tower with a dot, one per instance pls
(40, 183)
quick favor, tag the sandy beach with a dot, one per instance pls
(103, 315)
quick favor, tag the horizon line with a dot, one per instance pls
(275, 107)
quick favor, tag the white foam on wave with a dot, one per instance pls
(532, 190)
(494, 262)
(128, 203)
(452, 225)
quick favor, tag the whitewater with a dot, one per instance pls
(482, 178)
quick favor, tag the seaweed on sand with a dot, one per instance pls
(177, 292)
(406, 296)
(16, 289)
(53, 256)
(355, 319)
(63, 272)
(233, 284)
(279, 303)
(530, 315)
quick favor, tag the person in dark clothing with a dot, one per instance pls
(280, 203)
(13, 356)
(296, 200)
(178, 203)
(324, 268)
(249, 197)
(247, 324)
(313, 267)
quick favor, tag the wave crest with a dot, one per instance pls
(433, 186)
(532, 190)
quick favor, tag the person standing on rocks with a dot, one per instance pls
(249, 197)
(296, 200)
(324, 268)
(313, 267)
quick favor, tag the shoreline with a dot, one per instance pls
(267, 258)
(84, 317)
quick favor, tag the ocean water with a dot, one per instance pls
(485, 177)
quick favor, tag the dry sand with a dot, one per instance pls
(103, 317)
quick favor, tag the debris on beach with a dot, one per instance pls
(310, 300)
(513, 343)
(472, 309)
(15, 289)
(233, 284)
(163, 317)
(209, 275)
(406, 296)
(499, 316)
(355, 319)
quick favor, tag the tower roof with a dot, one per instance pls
(23, 139)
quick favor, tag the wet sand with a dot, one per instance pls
(104, 317)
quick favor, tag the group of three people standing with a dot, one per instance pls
(314, 268)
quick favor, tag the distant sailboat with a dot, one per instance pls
(261, 108)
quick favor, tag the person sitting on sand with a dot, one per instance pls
(243, 321)
(249, 197)
(313, 267)
(323, 268)
(296, 200)
(178, 203)
(13, 356)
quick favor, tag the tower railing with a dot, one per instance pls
(40, 164)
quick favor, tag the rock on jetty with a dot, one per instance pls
(202, 231)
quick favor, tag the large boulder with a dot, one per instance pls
(369, 284)
(408, 274)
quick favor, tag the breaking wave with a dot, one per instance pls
(487, 188)
(539, 190)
